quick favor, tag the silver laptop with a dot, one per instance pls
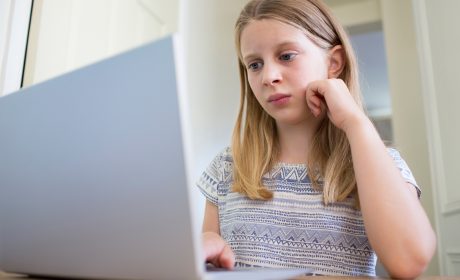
(93, 175)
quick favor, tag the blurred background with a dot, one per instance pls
(408, 53)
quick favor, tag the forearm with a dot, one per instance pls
(396, 224)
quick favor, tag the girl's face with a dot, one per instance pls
(281, 61)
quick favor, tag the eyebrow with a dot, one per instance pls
(281, 45)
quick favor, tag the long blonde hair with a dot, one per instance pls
(255, 146)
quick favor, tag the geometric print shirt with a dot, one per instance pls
(294, 229)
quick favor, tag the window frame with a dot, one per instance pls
(14, 35)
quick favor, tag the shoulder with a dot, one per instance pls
(216, 179)
(222, 159)
(220, 166)
(225, 154)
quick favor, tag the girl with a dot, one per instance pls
(307, 181)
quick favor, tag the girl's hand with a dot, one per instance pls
(333, 97)
(217, 251)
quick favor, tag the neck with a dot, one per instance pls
(295, 141)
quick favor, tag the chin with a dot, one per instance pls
(292, 121)
(297, 120)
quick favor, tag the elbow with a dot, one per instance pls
(415, 263)
(407, 271)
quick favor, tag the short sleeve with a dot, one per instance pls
(209, 180)
(404, 169)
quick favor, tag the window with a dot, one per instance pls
(14, 27)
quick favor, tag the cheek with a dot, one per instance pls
(310, 70)
(256, 91)
(251, 79)
(253, 85)
(306, 75)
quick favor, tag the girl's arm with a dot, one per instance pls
(396, 224)
(216, 250)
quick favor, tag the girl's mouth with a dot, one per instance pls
(279, 99)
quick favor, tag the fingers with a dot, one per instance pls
(227, 258)
(333, 99)
(217, 251)
(316, 104)
(317, 95)
(223, 258)
(315, 98)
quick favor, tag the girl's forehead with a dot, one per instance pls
(263, 33)
(264, 27)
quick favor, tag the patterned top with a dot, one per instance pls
(294, 229)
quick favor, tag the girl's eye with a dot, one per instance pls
(254, 66)
(287, 56)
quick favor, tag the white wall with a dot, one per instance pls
(213, 82)
(66, 35)
(353, 13)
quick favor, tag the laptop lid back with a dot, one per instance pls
(92, 173)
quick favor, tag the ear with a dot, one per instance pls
(336, 61)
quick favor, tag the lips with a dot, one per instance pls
(278, 97)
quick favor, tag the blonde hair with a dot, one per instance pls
(255, 146)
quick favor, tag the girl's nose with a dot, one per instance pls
(271, 75)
